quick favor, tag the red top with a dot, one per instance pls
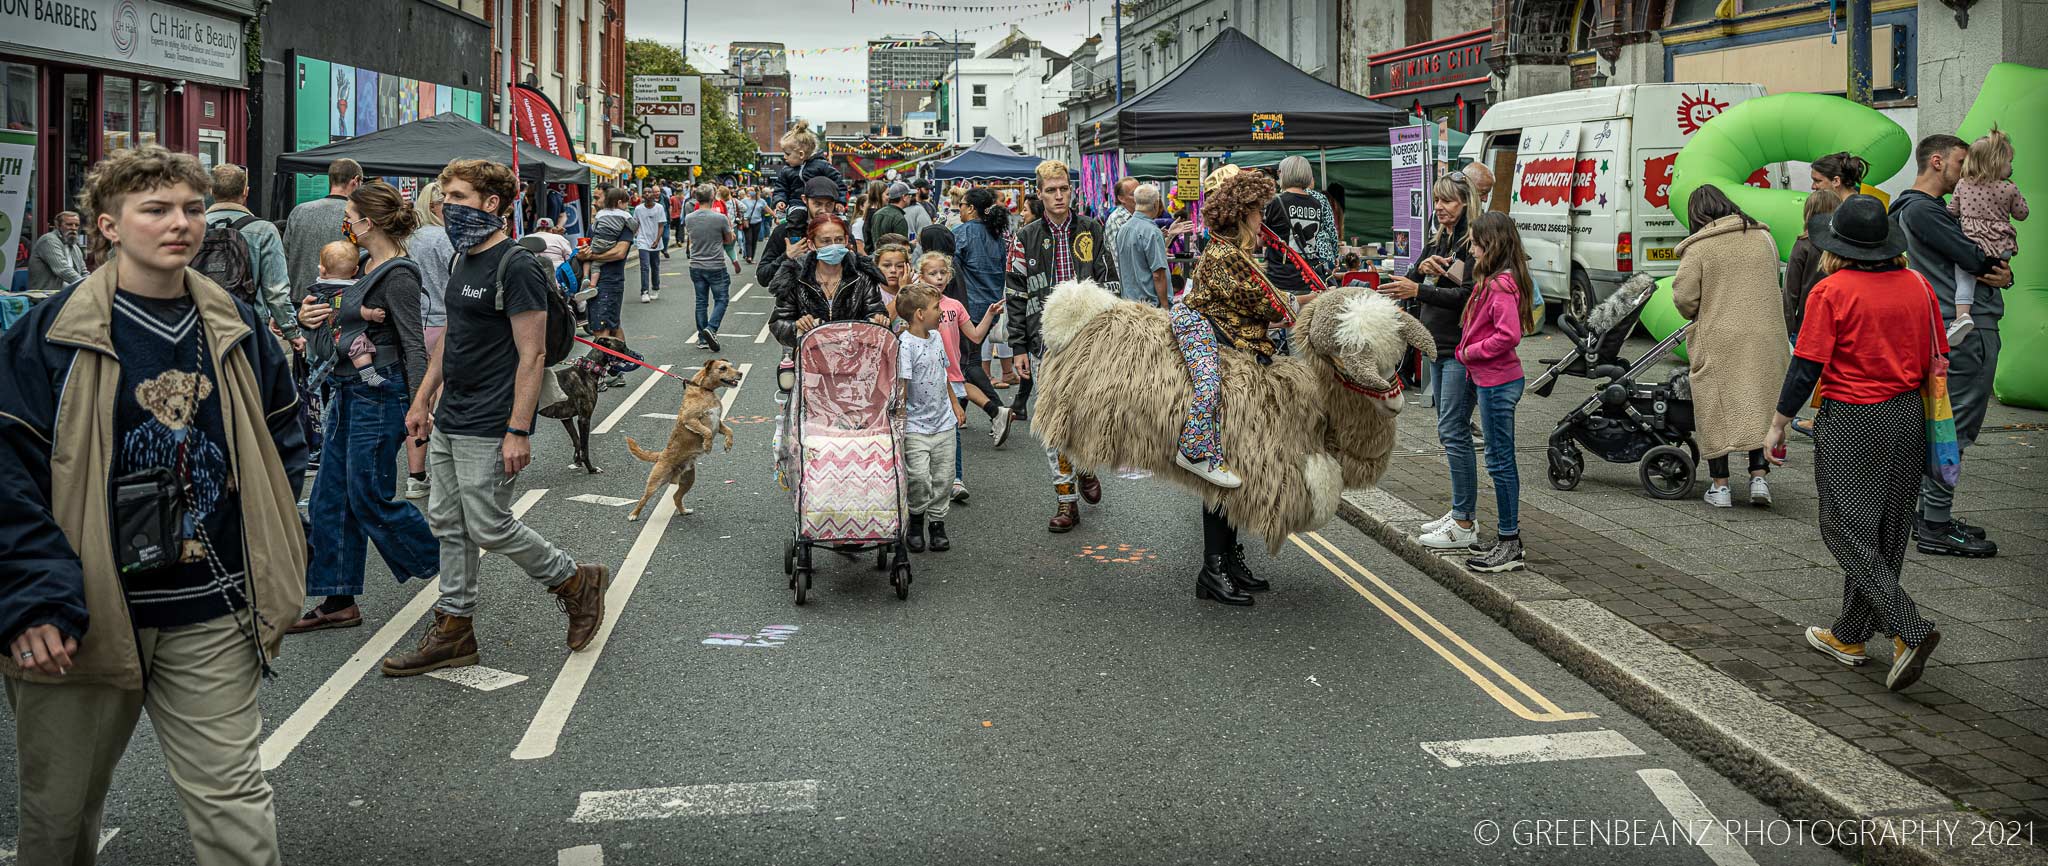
(951, 314)
(1872, 332)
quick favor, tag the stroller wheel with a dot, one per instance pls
(1565, 470)
(1667, 472)
(789, 555)
(900, 578)
(801, 583)
(882, 558)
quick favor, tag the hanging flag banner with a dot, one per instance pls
(535, 119)
(667, 112)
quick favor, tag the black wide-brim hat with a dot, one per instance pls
(1858, 230)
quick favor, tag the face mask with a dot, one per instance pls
(833, 254)
(468, 226)
(348, 230)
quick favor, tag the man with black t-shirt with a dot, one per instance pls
(487, 369)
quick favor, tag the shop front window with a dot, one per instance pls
(117, 114)
(17, 96)
(149, 112)
(79, 130)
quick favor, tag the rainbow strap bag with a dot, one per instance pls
(1944, 455)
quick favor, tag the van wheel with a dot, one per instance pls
(1580, 301)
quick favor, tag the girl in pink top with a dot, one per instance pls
(935, 269)
(1494, 319)
(1987, 202)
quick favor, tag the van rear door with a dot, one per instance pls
(1545, 165)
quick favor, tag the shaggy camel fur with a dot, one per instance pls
(1114, 393)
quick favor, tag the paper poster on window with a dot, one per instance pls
(17, 175)
(427, 89)
(1410, 161)
(408, 100)
(443, 99)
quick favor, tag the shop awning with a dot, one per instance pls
(610, 167)
(425, 146)
(988, 159)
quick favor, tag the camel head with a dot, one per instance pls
(1364, 336)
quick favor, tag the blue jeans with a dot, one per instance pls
(650, 270)
(1497, 417)
(352, 505)
(711, 284)
(1454, 400)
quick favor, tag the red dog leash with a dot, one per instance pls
(630, 359)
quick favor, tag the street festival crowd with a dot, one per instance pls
(178, 392)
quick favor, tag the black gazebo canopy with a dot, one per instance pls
(1236, 95)
(425, 146)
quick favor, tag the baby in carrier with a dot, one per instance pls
(338, 265)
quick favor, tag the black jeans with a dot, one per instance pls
(1717, 467)
(1218, 538)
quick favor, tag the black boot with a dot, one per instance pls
(939, 540)
(916, 539)
(1214, 583)
(1241, 574)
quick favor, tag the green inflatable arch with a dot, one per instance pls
(1781, 128)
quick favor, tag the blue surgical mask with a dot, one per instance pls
(468, 226)
(833, 254)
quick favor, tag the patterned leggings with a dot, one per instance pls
(1201, 436)
(1867, 464)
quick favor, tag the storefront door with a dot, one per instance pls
(77, 124)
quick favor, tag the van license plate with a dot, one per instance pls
(1661, 254)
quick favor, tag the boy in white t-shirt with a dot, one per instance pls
(931, 415)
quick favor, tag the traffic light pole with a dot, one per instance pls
(1859, 51)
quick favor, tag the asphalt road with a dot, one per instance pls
(1038, 699)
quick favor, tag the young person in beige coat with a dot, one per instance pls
(1727, 285)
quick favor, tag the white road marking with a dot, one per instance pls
(619, 414)
(7, 851)
(665, 416)
(763, 336)
(595, 499)
(1685, 806)
(546, 729)
(581, 855)
(735, 336)
(1568, 746)
(739, 294)
(279, 745)
(749, 798)
(746, 312)
(478, 677)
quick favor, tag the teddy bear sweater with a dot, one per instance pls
(168, 407)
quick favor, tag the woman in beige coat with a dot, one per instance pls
(1727, 285)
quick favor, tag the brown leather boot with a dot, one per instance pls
(582, 598)
(1091, 489)
(1068, 517)
(450, 643)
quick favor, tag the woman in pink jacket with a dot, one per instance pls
(1494, 319)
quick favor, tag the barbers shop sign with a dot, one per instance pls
(170, 40)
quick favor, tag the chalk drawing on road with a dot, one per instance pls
(692, 801)
(768, 637)
(609, 501)
(478, 677)
(1122, 553)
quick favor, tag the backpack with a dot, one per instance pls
(561, 328)
(224, 258)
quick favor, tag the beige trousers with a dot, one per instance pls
(201, 696)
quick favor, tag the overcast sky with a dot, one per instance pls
(828, 24)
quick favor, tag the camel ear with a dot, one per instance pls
(1367, 375)
(1414, 334)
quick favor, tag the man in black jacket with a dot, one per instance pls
(1062, 247)
(1937, 249)
(821, 197)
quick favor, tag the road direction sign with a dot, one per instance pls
(669, 108)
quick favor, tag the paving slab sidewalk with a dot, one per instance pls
(1732, 589)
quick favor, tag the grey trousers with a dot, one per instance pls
(928, 465)
(1971, 366)
(201, 697)
(469, 507)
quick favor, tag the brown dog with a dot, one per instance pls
(701, 418)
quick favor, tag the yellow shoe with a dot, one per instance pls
(1908, 662)
(1850, 654)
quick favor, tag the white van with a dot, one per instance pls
(1586, 174)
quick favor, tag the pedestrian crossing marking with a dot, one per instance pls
(1549, 712)
(478, 677)
(694, 801)
(1532, 749)
(595, 499)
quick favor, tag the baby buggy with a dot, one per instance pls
(839, 448)
(1627, 420)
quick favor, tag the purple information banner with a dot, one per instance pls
(1410, 161)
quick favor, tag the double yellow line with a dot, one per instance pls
(1545, 712)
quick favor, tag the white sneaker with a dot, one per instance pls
(646, 297)
(1960, 328)
(1211, 471)
(999, 426)
(1450, 536)
(1719, 497)
(1436, 524)
(656, 293)
(415, 488)
(1759, 492)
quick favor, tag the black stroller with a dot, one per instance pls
(1626, 420)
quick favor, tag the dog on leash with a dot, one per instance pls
(578, 382)
(701, 418)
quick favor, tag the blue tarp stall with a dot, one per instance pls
(988, 159)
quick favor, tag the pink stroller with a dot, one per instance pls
(840, 449)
